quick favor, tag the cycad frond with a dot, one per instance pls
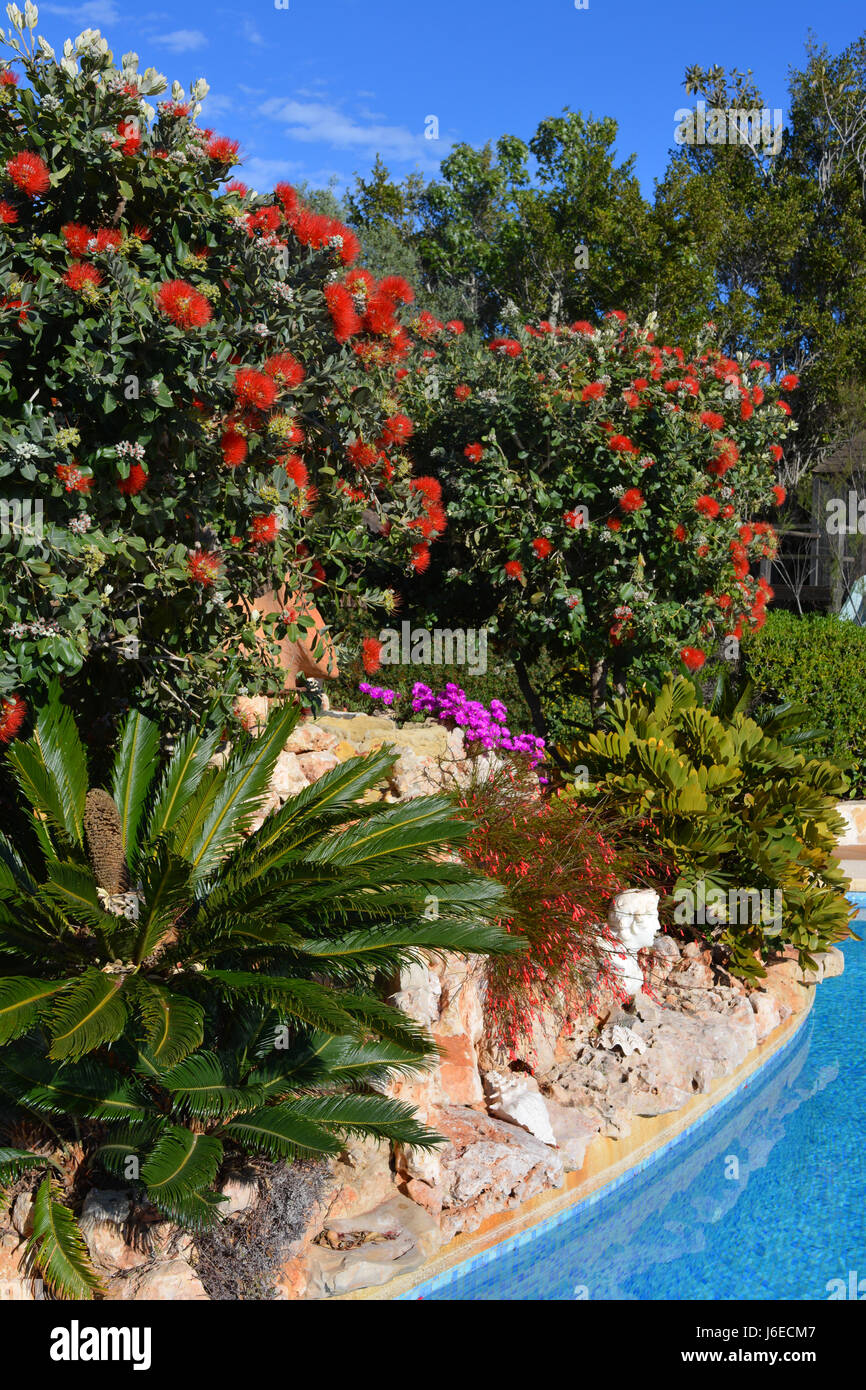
(406, 828)
(134, 767)
(51, 770)
(175, 1024)
(165, 888)
(180, 1162)
(306, 1001)
(208, 1086)
(88, 1089)
(89, 1012)
(367, 1115)
(58, 1247)
(279, 1134)
(237, 795)
(335, 1060)
(180, 780)
(20, 999)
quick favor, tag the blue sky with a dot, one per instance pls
(314, 90)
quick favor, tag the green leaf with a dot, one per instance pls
(19, 1003)
(175, 1025)
(134, 766)
(58, 1247)
(89, 1012)
(181, 1162)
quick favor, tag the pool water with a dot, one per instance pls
(765, 1198)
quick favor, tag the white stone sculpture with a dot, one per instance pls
(633, 917)
(626, 1039)
(513, 1097)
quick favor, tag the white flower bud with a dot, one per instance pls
(129, 62)
(31, 15)
(16, 18)
(176, 91)
(46, 48)
(199, 89)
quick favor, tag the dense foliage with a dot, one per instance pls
(606, 493)
(193, 377)
(173, 986)
(820, 663)
(737, 809)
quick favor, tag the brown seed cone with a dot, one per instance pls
(105, 840)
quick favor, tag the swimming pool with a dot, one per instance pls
(765, 1198)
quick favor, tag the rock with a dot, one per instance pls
(414, 774)
(345, 750)
(574, 1132)
(104, 1215)
(419, 994)
(626, 1039)
(16, 1286)
(769, 1012)
(489, 1166)
(459, 1028)
(308, 737)
(22, 1214)
(252, 711)
(362, 1178)
(288, 778)
(242, 1193)
(172, 1281)
(392, 1239)
(832, 961)
(782, 980)
(511, 1097)
(315, 765)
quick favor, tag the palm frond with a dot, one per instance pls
(237, 795)
(89, 1012)
(134, 768)
(180, 1162)
(280, 1134)
(406, 828)
(174, 1024)
(51, 769)
(89, 1088)
(180, 779)
(58, 1247)
(207, 1086)
(20, 999)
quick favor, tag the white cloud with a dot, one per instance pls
(93, 13)
(182, 40)
(251, 33)
(313, 122)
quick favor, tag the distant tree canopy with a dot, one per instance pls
(771, 246)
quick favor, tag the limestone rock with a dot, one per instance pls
(574, 1132)
(392, 1239)
(782, 980)
(172, 1281)
(242, 1192)
(315, 765)
(104, 1216)
(489, 1166)
(511, 1096)
(288, 778)
(769, 1012)
(308, 737)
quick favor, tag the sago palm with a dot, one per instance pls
(172, 985)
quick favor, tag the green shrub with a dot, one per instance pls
(737, 809)
(819, 662)
(208, 990)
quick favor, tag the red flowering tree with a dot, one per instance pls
(200, 399)
(606, 494)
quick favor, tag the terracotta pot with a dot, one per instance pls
(297, 658)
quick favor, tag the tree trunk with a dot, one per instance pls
(539, 722)
(597, 685)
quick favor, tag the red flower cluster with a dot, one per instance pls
(133, 484)
(183, 304)
(29, 173)
(13, 712)
(203, 567)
